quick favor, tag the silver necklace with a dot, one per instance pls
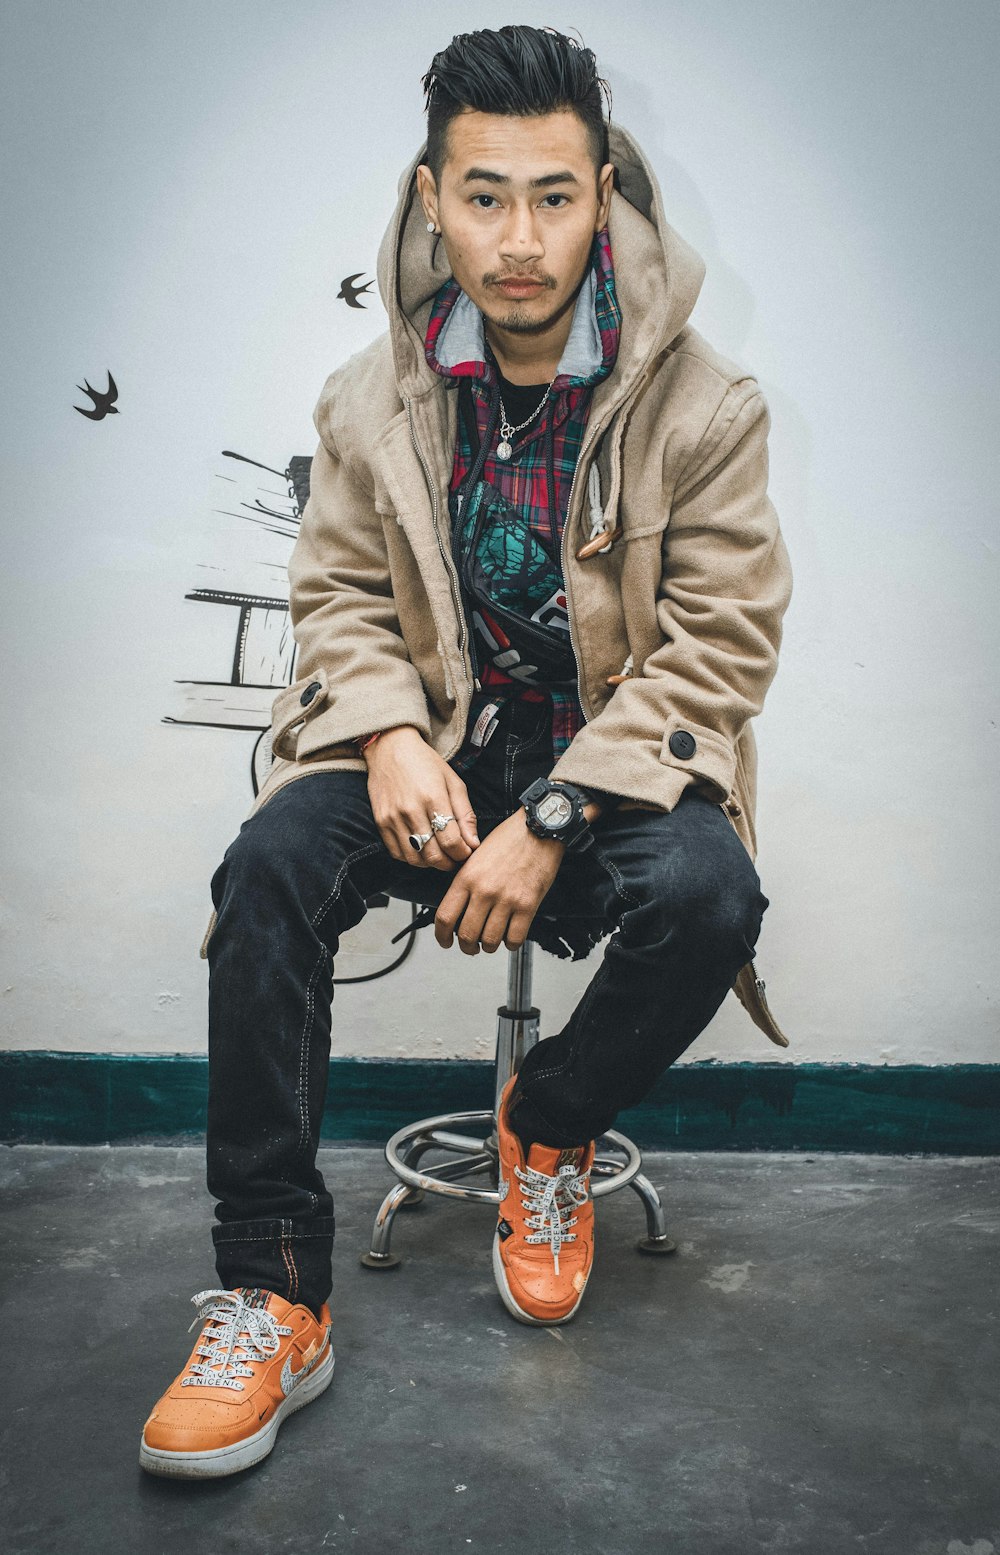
(504, 447)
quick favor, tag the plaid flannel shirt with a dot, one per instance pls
(548, 449)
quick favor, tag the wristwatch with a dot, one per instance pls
(555, 810)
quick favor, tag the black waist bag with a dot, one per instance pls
(522, 624)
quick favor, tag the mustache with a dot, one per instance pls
(493, 279)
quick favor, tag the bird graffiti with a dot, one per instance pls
(103, 402)
(350, 293)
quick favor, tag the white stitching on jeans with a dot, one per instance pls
(560, 1069)
(370, 847)
(508, 774)
(304, 1049)
(284, 1256)
(615, 874)
(517, 748)
(234, 1241)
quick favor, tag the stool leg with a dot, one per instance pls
(379, 1256)
(656, 1239)
(413, 1157)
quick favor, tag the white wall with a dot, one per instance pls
(186, 186)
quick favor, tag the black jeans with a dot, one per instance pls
(678, 893)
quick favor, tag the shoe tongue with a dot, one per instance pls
(267, 1300)
(549, 1158)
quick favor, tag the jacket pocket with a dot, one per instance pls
(292, 708)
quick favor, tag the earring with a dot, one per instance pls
(431, 227)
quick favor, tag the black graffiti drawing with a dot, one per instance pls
(263, 661)
(351, 293)
(103, 402)
(263, 664)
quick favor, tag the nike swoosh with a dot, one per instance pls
(291, 1379)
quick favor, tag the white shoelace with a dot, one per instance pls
(234, 1336)
(551, 1200)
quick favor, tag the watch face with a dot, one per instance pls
(555, 810)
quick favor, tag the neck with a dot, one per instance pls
(525, 358)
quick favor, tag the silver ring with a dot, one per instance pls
(439, 822)
(418, 838)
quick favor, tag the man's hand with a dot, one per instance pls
(496, 893)
(407, 782)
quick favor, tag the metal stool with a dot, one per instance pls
(617, 1161)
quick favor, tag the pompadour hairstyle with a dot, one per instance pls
(517, 70)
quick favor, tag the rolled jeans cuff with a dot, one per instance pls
(291, 1257)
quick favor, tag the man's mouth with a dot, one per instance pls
(520, 286)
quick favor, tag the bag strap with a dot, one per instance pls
(468, 413)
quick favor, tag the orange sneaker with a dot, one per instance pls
(541, 1264)
(257, 1360)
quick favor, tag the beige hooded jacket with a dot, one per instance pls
(688, 599)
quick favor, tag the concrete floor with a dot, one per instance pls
(815, 1370)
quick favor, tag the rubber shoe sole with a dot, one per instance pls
(506, 1295)
(240, 1455)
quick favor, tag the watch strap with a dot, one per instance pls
(600, 796)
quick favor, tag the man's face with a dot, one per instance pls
(518, 206)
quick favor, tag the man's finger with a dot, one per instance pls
(443, 849)
(517, 930)
(430, 856)
(460, 806)
(449, 911)
(492, 934)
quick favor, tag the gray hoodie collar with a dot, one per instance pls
(462, 337)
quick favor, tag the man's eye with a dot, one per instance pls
(556, 197)
(483, 197)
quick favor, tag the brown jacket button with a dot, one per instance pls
(682, 744)
(310, 692)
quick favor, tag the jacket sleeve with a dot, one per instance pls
(353, 671)
(725, 585)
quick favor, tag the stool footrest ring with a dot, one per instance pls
(440, 1132)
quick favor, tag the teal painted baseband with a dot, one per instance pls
(951, 1109)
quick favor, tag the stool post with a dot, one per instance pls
(517, 1021)
(519, 976)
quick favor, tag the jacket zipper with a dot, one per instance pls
(472, 476)
(569, 598)
(597, 435)
(456, 592)
(466, 621)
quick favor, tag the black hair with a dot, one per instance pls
(517, 70)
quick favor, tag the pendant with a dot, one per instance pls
(504, 450)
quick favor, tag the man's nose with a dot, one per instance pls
(521, 238)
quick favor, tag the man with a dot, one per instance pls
(537, 596)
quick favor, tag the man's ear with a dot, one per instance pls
(605, 184)
(427, 189)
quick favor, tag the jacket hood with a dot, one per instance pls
(658, 275)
